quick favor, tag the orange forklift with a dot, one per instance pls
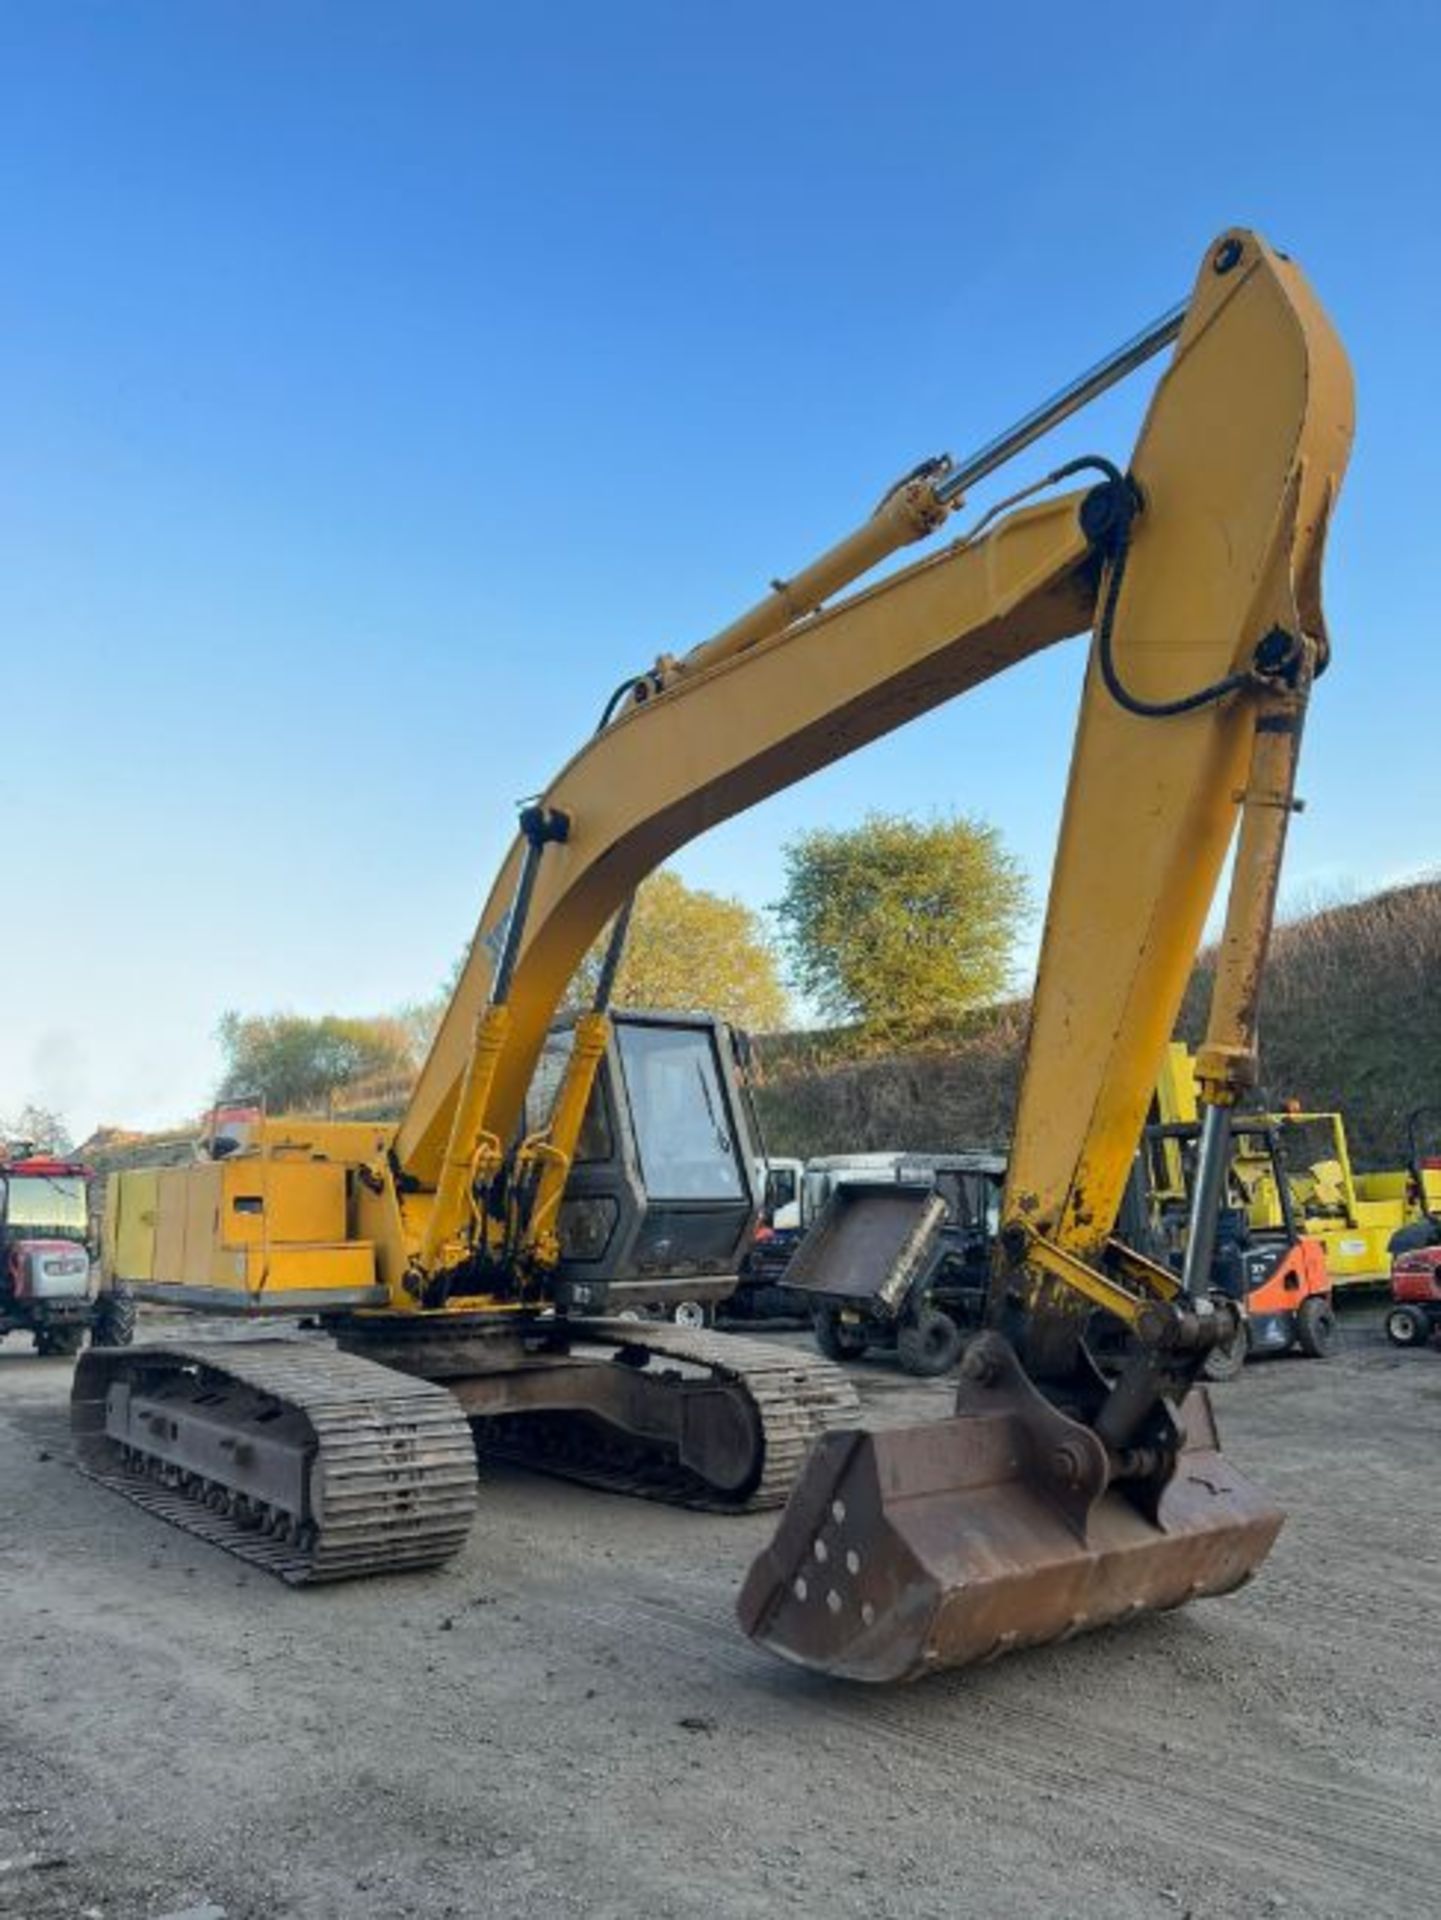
(1275, 1274)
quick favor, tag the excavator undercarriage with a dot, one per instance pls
(310, 1463)
(326, 1461)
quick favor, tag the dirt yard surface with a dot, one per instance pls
(566, 1721)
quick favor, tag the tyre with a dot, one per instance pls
(929, 1344)
(1226, 1362)
(1317, 1333)
(690, 1313)
(60, 1341)
(836, 1340)
(114, 1321)
(1408, 1327)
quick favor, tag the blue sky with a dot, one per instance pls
(378, 383)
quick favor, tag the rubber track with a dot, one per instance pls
(393, 1480)
(797, 1397)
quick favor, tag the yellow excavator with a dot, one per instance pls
(468, 1262)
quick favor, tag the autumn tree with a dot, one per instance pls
(420, 1019)
(899, 923)
(688, 950)
(296, 1064)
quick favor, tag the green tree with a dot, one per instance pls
(297, 1064)
(900, 923)
(688, 950)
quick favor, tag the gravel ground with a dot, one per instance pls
(567, 1721)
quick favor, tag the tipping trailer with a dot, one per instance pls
(900, 1263)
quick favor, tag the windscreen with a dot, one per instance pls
(780, 1188)
(680, 1114)
(594, 1143)
(1315, 1170)
(52, 1203)
(974, 1199)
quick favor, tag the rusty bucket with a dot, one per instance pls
(904, 1552)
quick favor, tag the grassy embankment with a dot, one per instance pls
(1351, 1019)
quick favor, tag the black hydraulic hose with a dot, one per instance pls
(1107, 516)
(626, 686)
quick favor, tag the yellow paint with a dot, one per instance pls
(131, 1201)
(472, 1150)
(545, 1158)
(1238, 465)
(268, 1223)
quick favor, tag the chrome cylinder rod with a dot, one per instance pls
(1208, 1191)
(1081, 391)
(912, 509)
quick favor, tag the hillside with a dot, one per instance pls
(1351, 1018)
(112, 1149)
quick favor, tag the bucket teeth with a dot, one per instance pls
(905, 1552)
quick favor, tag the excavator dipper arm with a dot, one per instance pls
(1062, 1495)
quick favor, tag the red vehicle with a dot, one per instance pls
(1414, 1317)
(45, 1251)
(45, 1283)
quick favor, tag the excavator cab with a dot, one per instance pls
(662, 1196)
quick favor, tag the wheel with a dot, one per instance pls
(58, 1340)
(1226, 1362)
(1317, 1333)
(1408, 1327)
(114, 1321)
(690, 1313)
(929, 1344)
(835, 1339)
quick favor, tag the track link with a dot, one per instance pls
(795, 1398)
(387, 1462)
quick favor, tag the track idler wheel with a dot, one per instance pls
(904, 1552)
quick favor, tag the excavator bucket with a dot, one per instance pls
(925, 1547)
